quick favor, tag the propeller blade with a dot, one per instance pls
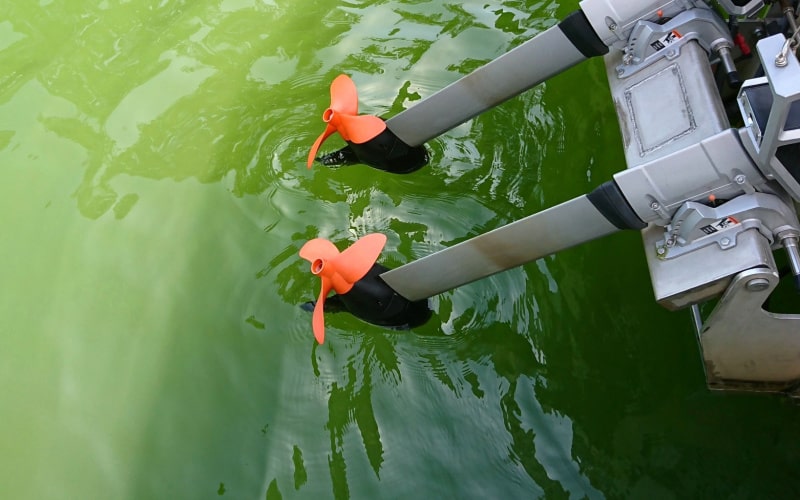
(342, 117)
(344, 96)
(360, 129)
(318, 319)
(312, 155)
(354, 262)
(318, 248)
(339, 271)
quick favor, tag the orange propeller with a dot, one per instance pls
(342, 117)
(339, 271)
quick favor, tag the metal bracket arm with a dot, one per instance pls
(746, 347)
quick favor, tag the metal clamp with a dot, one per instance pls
(649, 41)
(696, 225)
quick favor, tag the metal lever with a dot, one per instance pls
(790, 243)
(723, 50)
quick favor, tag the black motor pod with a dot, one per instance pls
(373, 301)
(385, 152)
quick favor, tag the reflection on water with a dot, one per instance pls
(155, 197)
(125, 75)
(352, 403)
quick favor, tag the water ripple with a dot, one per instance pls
(153, 163)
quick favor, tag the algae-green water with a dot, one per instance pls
(154, 196)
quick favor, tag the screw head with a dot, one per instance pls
(757, 285)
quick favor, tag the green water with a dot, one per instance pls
(154, 196)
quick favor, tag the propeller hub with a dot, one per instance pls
(317, 266)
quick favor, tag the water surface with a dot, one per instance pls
(154, 196)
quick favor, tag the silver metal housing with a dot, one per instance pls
(714, 208)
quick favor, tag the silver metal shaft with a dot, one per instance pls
(790, 243)
(525, 66)
(557, 228)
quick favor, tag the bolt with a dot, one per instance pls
(757, 284)
(627, 59)
(612, 26)
(740, 179)
(725, 241)
(661, 250)
(654, 205)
